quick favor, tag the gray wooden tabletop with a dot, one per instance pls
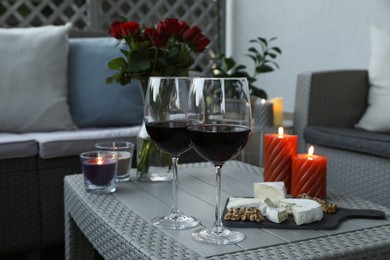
(118, 225)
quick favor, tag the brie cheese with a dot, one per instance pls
(273, 190)
(276, 215)
(303, 210)
(243, 203)
(273, 213)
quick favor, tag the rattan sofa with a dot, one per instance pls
(327, 106)
(32, 168)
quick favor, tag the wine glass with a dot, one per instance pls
(166, 121)
(220, 124)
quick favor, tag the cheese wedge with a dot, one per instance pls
(243, 203)
(272, 212)
(276, 215)
(303, 210)
(272, 190)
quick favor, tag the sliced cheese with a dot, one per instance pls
(272, 190)
(276, 215)
(243, 203)
(303, 210)
(273, 213)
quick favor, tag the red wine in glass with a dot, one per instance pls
(166, 123)
(218, 143)
(220, 122)
(170, 136)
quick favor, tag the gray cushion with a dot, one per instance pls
(33, 80)
(70, 143)
(17, 146)
(93, 103)
(349, 139)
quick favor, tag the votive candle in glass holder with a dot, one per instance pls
(125, 152)
(263, 114)
(99, 170)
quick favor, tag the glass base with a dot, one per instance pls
(174, 221)
(156, 174)
(123, 177)
(225, 237)
(100, 189)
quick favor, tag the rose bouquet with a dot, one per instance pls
(165, 49)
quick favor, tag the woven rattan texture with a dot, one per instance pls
(358, 174)
(52, 203)
(338, 98)
(329, 98)
(130, 226)
(18, 164)
(19, 207)
(138, 239)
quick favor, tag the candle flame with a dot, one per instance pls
(262, 101)
(99, 160)
(310, 152)
(280, 131)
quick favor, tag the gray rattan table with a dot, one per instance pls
(118, 225)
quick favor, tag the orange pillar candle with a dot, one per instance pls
(309, 175)
(278, 151)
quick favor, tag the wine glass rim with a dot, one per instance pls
(221, 78)
(171, 77)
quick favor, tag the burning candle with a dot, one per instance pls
(309, 174)
(99, 169)
(278, 151)
(263, 114)
(125, 154)
(278, 110)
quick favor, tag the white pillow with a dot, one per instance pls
(33, 79)
(377, 116)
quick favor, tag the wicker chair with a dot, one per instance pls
(337, 99)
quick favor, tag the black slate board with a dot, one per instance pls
(330, 221)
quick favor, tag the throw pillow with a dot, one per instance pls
(377, 116)
(93, 102)
(33, 79)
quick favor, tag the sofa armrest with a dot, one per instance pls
(329, 98)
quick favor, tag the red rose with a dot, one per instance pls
(130, 29)
(171, 26)
(196, 39)
(182, 29)
(192, 34)
(115, 30)
(158, 38)
(201, 43)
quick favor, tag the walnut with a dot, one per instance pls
(326, 206)
(244, 214)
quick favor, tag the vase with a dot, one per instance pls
(153, 164)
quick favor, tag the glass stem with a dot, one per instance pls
(218, 226)
(175, 208)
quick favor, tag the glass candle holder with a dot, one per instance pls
(99, 170)
(125, 152)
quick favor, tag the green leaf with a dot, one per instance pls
(125, 52)
(263, 40)
(264, 69)
(110, 80)
(117, 63)
(258, 92)
(252, 57)
(277, 49)
(138, 62)
(254, 50)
